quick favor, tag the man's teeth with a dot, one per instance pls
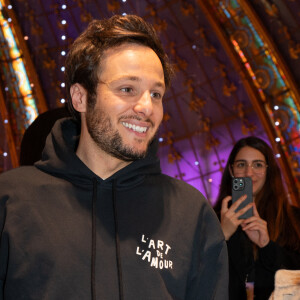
(135, 128)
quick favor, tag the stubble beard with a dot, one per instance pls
(100, 128)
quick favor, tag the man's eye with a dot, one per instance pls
(127, 89)
(156, 95)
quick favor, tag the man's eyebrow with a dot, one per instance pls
(137, 79)
(160, 84)
(126, 77)
(133, 78)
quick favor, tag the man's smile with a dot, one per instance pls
(140, 129)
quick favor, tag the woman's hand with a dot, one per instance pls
(230, 218)
(256, 229)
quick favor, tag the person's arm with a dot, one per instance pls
(275, 257)
(209, 270)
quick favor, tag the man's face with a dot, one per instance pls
(128, 107)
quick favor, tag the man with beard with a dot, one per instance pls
(95, 218)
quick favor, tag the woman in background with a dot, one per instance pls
(267, 241)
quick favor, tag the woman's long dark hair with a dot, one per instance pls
(271, 201)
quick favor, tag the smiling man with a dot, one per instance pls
(95, 218)
(124, 118)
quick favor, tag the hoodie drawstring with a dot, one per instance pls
(93, 260)
(118, 257)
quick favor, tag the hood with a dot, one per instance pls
(59, 159)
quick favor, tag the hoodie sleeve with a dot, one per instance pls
(209, 270)
(274, 257)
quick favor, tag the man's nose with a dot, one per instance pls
(144, 105)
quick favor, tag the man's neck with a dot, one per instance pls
(101, 163)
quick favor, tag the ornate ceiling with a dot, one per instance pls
(209, 106)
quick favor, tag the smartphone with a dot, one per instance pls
(242, 186)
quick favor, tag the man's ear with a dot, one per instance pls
(79, 97)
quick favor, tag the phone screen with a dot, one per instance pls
(242, 186)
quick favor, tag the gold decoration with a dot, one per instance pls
(80, 3)
(196, 104)
(113, 6)
(209, 50)
(171, 47)
(248, 128)
(187, 9)
(36, 30)
(200, 31)
(182, 64)
(86, 17)
(166, 117)
(49, 64)
(228, 89)
(152, 11)
(169, 137)
(211, 142)
(173, 155)
(272, 10)
(206, 123)
(222, 69)
(189, 86)
(56, 8)
(294, 51)
(240, 109)
(262, 78)
(160, 25)
(241, 37)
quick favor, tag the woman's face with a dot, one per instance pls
(250, 162)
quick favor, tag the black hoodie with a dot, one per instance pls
(68, 234)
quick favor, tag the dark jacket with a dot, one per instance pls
(139, 234)
(242, 266)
